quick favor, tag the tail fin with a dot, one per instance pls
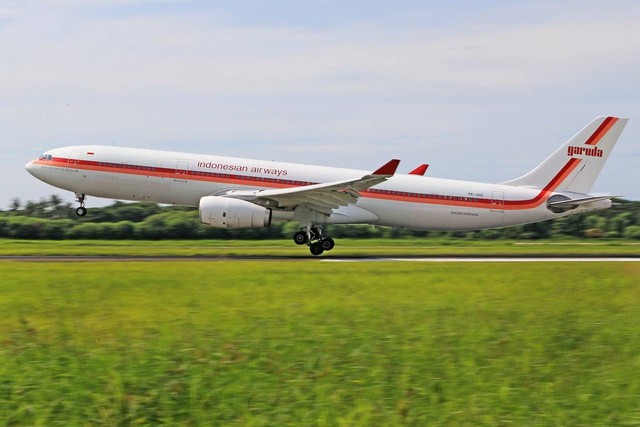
(575, 166)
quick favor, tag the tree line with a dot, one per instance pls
(51, 218)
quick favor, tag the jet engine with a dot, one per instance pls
(224, 212)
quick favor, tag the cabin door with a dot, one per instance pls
(74, 158)
(182, 170)
(497, 201)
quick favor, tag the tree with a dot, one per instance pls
(150, 221)
(621, 221)
(54, 201)
(632, 232)
(15, 204)
(571, 225)
(21, 227)
(30, 208)
(56, 229)
(594, 226)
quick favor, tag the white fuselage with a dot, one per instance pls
(410, 201)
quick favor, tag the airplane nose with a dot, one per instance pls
(32, 168)
(29, 167)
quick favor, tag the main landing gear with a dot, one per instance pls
(81, 211)
(314, 238)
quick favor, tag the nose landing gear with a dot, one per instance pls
(81, 210)
(314, 238)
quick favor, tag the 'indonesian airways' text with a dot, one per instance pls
(240, 168)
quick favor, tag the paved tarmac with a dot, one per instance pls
(489, 259)
(382, 258)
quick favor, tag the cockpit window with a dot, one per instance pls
(46, 157)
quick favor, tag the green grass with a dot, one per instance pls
(309, 343)
(344, 247)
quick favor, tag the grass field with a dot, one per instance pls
(344, 247)
(308, 343)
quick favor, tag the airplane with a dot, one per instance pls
(245, 193)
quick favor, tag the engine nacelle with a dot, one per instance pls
(223, 212)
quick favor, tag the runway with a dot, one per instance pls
(490, 259)
(344, 259)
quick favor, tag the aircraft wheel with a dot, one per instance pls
(316, 248)
(300, 238)
(81, 211)
(327, 244)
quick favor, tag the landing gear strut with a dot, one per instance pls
(81, 211)
(314, 238)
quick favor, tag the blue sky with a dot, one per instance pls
(480, 90)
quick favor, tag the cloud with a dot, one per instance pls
(187, 78)
(110, 3)
(112, 56)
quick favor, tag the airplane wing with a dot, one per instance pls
(322, 197)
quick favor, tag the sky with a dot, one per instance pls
(482, 91)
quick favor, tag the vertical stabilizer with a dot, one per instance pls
(575, 166)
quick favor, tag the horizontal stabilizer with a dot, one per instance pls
(561, 203)
(574, 203)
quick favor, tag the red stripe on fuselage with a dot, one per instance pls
(246, 180)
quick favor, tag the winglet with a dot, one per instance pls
(388, 168)
(420, 170)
